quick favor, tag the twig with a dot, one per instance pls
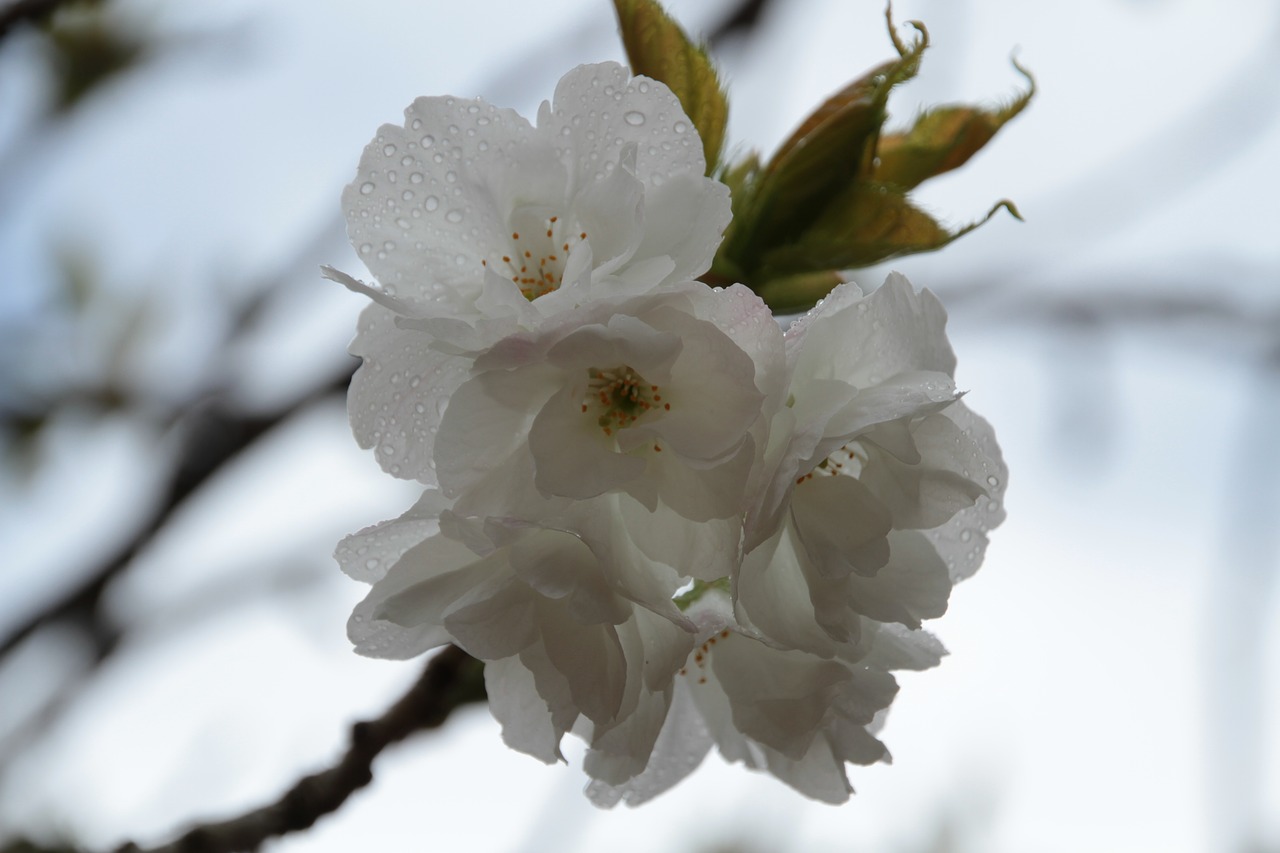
(214, 437)
(26, 10)
(743, 18)
(452, 679)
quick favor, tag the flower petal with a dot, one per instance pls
(422, 187)
(684, 219)
(398, 395)
(600, 108)
(368, 555)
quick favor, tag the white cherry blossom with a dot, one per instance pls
(561, 617)
(795, 715)
(605, 194)
(869, 466)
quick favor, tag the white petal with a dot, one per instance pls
(706, 494)
(841, 525)
(571, 456)
(713, 394)
(621, 752)
(375, 636)
(486, 422)
(403, 216)
(866, 340)
(774, 596)
(706, 550)
(817, 773)
(600, 124)
(898, 647)
(779, 697)
(611, 210)
(590, 657)
(528, 725)
(962, 541)
(930, 493)
(680, 747)
(913, 586)
(684, 219)
(559, 565)
(399, 394)
(498, 622)
(624, 340)
(905, 395)
(367, 555)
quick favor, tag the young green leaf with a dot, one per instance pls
(658, 48)
(865, 224)
(942, 139)
(832, 148)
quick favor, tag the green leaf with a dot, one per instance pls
(942, 139)
(742, 179)
(658, 48)
(867, 223)
(833, 147)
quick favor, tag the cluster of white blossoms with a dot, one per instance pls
(661, 521)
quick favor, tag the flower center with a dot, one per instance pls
(848, 459)
(701, 656)
(616, 398)
(539, 248)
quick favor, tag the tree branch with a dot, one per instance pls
(452, 679)
(213, 438)
(742, 19)
(34, 11)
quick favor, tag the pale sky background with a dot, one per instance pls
(1114, 675)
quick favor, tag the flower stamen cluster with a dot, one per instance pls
(619, 397)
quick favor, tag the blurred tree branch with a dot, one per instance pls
(740, 20)
(213, 437)
(33, 11)
(450, 680)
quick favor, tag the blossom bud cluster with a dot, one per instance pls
(662, 522)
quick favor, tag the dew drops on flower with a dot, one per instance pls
(663, 523)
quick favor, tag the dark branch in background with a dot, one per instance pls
(451, 679)
(213, 437)
(33, 11)
(741, 21)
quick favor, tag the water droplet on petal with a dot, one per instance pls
(427, 141)
(388, 149)
(680, 127)
(415, 178)
(454, 216)
(634, 118)
(366, 248)
(431, 203)
(993, 481)
(366, 188)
